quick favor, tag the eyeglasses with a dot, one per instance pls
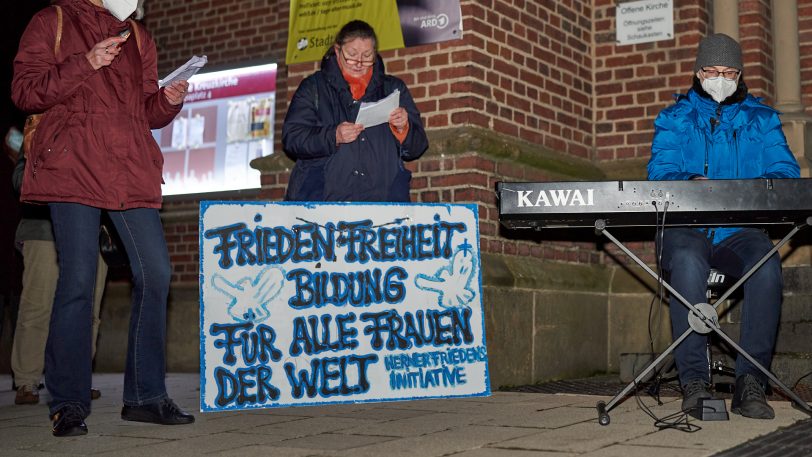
(363, 63)
(713, 73)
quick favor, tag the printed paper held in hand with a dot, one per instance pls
(185, 71)
(375, 113)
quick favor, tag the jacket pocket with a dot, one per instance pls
(50, 141)
(53, 153)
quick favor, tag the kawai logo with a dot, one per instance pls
(556, 197)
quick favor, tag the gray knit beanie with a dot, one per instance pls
(718, 50)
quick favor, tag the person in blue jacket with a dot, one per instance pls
(719, 131)
(336, 159)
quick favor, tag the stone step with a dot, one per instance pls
(787, 367)
(795, 308)
(798, 280)
(793, 337)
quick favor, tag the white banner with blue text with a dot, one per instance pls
(320, 303)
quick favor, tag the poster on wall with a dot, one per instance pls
(226, 122)
(322, 303)
(398, 23)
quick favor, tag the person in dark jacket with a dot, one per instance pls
(92, 152)
(336, 159)
(719, 131)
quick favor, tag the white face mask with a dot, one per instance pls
(121, 9)
(719, 88)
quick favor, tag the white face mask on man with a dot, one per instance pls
(121, 9)
(719, 88)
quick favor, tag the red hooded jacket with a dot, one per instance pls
(93, 145)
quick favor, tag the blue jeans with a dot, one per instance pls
(688, 255)
(68, 351)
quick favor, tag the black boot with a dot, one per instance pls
(749, 400)
(164, 412)
(69, 421)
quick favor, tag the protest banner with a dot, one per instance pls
(319, 303)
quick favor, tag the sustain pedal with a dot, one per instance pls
(710, 409)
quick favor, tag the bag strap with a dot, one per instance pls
(137, 35)
(58, 41)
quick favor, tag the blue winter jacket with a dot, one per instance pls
(368, 169)
(699, 137)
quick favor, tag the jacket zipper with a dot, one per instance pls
(736, 149)
(707, 145)
(713, 122)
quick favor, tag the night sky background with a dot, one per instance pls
(13, 19)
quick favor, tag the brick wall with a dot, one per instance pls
(755, 34)
(546, 73)
(228, 31)
(805, 38)
(528, 78)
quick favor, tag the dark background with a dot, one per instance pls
(13, 20)
(12, 23)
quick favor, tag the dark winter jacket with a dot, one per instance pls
(740, 138)
(368, 169)
(93, 145)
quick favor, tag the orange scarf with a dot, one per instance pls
(358, 86)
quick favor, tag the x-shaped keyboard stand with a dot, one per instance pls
(702, 319)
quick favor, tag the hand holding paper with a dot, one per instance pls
(376, 113)
(185, 71)
(175, 93)
(347, 132)
(399, 118)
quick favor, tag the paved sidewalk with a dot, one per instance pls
(503, 425)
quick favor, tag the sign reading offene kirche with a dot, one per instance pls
(321, 303)
(644, 21)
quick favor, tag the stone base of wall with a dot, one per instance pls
(182, 332)
(550, 320)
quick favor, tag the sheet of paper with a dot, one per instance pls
(185, 71)
(375, 113)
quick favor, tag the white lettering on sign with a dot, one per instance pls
(555, 197)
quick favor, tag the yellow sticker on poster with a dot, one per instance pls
(314, 24)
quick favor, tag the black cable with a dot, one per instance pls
(659, 228)
(659, 263)
(677, 421)
(654, 389)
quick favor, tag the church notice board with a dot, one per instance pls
(323, 303)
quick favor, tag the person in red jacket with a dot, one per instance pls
(93, 152)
